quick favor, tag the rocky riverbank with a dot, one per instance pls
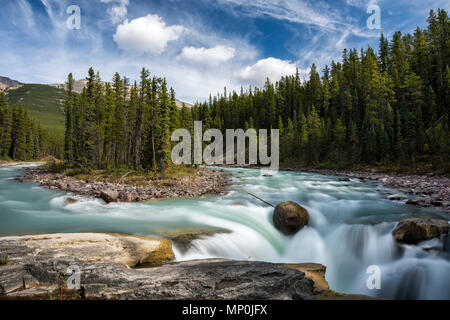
(39, 267)
(426, 190)
(204, 181)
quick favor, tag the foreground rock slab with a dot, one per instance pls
(37, 268)
(38, 263)
(131, 251)
(412, 231)
(187, 280)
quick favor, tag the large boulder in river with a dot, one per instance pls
(289, 217)
(412, 231)
(109, 195)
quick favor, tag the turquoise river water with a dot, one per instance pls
(349, 230)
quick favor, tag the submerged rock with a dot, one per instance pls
(289, 217)
(71, 200)
(396, 197)
(183, 237)
(412, 231)
(413, 202)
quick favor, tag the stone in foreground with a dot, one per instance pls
(289, 217)
(105, 262)
(131, 251)
(412, 231)
(36, 264)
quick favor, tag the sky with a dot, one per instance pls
(200, 46)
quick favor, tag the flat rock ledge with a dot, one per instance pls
(206, 181)
(38, 266)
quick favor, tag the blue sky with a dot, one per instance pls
(200, 46)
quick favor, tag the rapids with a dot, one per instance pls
(350, 227)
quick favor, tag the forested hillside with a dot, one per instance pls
(43, 103)
(22, 138)
(388, 108)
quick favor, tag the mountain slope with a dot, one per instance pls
(43, 103)
(6, 83)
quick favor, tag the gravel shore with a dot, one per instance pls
(204, 182)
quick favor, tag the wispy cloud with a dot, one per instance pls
(27, 12)
(328, 28)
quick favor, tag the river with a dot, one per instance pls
(350, 227)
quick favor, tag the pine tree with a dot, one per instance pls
(5, 126)
(163, 128)
(68, 111)
(19, 131)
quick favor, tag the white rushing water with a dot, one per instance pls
(350, 227)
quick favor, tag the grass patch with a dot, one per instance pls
(124, 175)
(4, 259)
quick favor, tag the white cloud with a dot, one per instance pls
(146, 34)
(266, 68)
(212, 56)
(118, 12)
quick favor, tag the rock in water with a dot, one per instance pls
(289, 217)
(71, 200)
(412, 231)
(396, 197)
(109, 195)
